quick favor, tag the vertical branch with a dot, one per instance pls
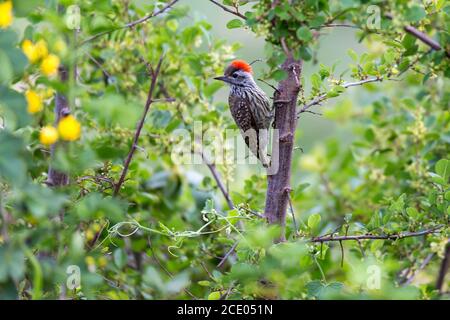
(219, 182)
(55, 177)
(444, 268)
(140, 125)
(285, 104)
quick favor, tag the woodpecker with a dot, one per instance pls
(250, 107)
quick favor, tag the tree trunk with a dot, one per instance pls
(285, 123)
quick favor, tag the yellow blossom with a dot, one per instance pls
(41, 47)
(6, 14)
(30, 51)
(50, 64)
(48, 135)
(69, 128)
(34, 101)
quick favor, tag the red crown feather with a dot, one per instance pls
(242, 65)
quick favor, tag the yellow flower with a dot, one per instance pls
(41, 47)
(34, 101)
(48, 135)
(6, 14)
(69, 128)
(49, 65)
(30, 51)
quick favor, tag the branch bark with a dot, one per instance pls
(285, 102)
(131, 24)
(443, 269)
(139, 128)
(236, 13)
(396, 236)
(54, 177)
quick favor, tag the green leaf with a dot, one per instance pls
(279, 75)
(376, 245)
(412, 212)
(314, 220)
(352, 55)
(204, 283)
(316, 81)
(304, 34)
(415, 13)
(120, 258)
(443, 169)
(235, 23)
(305, 53)
(215, 295)
(15, 106)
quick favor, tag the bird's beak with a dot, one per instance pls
(224, 79)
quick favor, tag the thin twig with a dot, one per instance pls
(323, 97)
(236, 13)
(139, 127)
(395, 236)
(421, 36)
(213, 169)
(291, 207)
(225, 257)
(155, 258)
(131, 24)
(421, 267)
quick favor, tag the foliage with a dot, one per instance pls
(167, 230)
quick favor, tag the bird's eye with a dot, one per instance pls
(234, 75)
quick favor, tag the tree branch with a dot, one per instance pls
(139, 127)
(219, 182)
(421, 36)
(236, 13)
(131, 24)
(443, 268)
(396, 236)
(323, 97)
(285, 123)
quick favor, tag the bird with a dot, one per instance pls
(250, 108)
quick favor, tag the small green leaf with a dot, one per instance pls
(235, 23)
(303, 33)
(314, 220)
(412, 212)
(215, 295)
(415, 13)
(443, 169)
(352, 54)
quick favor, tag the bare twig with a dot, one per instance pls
(395, 236)
(291, 207)
(422, 266)
(225, 257)
(421, 36)
(131, 24)
(139, 128)
(236, 13)
(211, 166)
(323, 97)
(334, 25)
